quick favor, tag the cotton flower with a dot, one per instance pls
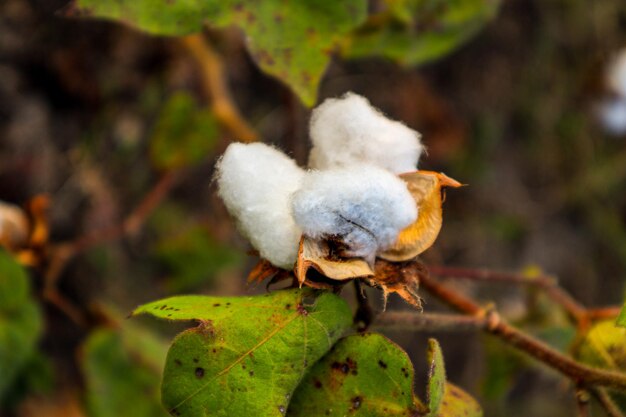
(256, 182)
(349, 130)
(363, 206)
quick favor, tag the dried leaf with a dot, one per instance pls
(399, 277)
(317, 255)
(425, 187)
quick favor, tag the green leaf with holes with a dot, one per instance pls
(184, 134)
(363, 375)
(247, 354)
(122, 369)
(621, 319)
(20, 321)
(291, 40)
(413, 32)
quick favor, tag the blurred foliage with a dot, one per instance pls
(190, 254)
(20, 321)
(604, 346)
(414, 32)
(294, 41)
(122, 370)
(184, 134)
(621, 320)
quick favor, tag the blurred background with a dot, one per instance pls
(88, 110)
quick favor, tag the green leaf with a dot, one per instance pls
(621, 319)
(289, 40)
(122, 370)
(184, 134)
(20, 321)
(413, 32)
(363, 375)
(248, 354)
(192, 257)
(458, 403)
(436, 378)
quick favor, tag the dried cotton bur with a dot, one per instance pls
(361, 212)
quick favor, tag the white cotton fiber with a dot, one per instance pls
(365, 206)
(256, 182)
(349, 130)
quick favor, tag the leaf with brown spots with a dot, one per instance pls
(425, 187)
(367, 375)
(247, 354)
(290, 40)
(364, 375)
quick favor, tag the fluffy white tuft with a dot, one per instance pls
(365, 206)
(256, 182)
(349, 130)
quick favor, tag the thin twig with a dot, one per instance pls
(577, 311)
(214, 83)
(435, 322)
(62, 253)
(604, 313)
(607, 403)
(577, 372)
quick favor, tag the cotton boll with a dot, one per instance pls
(612, 114)
(14, 226)
(256, 182)
(363, 205)
(616, 74)
(349, 130)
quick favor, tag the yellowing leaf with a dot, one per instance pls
(425, 187)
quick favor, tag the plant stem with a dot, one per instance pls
(435, 322)
(216, 89)
(605, 400)
(547, 283)
(497, 326)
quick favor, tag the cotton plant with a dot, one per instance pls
(360, 203)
